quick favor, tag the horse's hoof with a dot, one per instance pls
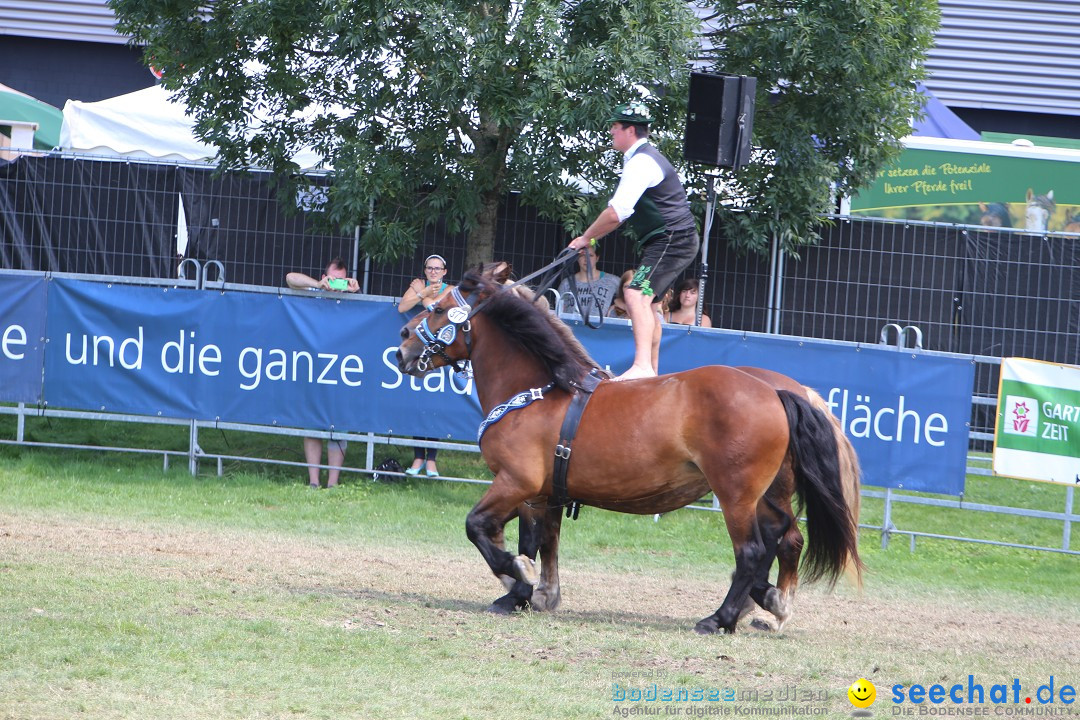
(707, 626)
(759, 624)
(544, 601)
(502, 607)
(526, 570)
(509, 604)
(711, 625)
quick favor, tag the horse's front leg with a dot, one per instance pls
(523, 544)
(484, 527)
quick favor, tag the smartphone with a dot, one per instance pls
(337, 283)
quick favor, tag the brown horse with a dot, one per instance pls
(540, 525)
(734, 434)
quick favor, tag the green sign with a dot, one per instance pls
(1039, 419)
(995, 187)
(1038, 425)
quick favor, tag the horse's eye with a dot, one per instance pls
(438, 311)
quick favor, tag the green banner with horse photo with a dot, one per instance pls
(977, 183)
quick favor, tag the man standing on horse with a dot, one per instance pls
(651, 200)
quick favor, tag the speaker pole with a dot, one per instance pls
(710, 210)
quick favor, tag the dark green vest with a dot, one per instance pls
(661, 209)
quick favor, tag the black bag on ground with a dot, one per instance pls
(389, 465)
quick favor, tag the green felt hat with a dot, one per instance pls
(636, 113)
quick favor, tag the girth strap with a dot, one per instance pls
(569, 428)
(522, 399)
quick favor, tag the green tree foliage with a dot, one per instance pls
(836, 92)
(426, 109)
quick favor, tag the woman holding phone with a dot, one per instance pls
(335, 277)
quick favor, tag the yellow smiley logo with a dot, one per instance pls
(862, 693)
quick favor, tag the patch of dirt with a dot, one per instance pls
(843, 635)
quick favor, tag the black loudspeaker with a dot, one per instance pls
(719, 119)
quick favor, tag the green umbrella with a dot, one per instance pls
(15, 105)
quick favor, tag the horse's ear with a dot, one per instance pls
(497, 272)
(474, 283)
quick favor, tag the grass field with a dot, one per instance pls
(126, 592)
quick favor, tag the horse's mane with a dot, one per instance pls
(536, 330)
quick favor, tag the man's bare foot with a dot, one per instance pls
(635, 372)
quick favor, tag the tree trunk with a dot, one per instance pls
(480, 246)
(492, 142)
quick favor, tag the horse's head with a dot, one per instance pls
(1072, 222)
(994, 215)
(440, 335)
(1039, 210)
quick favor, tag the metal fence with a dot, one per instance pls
(971, 290)
(64, 213)
(194, 455)
(981, 292)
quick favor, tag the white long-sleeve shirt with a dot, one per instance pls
(640, 172)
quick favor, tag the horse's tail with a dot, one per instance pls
(850, 476)
(832, 532)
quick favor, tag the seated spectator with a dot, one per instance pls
(684, 305)
(618, 303)
(593, 293)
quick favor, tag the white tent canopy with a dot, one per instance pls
(143, 124)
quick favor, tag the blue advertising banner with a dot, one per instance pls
(313, 362)
(327, 363)
(22, 336)
(906, 413)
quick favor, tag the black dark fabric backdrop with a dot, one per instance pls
(119, 218)
(972, 292)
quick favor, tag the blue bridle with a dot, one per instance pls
(435, 343)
